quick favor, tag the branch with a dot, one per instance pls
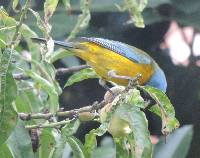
(48, 125)
(74, 112)
(59, 72)
(63, 71)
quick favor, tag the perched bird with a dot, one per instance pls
(116, 61)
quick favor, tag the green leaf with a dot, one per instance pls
(90, 144)
(5, 151)
(47, 142)
(67, 4)
(76, 147)
(28, 101)
(20, 142)
(59, 54)
(7, 28)
(177, 145)
(83, 19)
(48, 87)
(80, 76)
(139, 126)
(135, 9)
(70, 128)
(104, 152)
(8, 92)
(134, 98)
(15, 3)
(45, 28)
(167, 112)
(49, 8)
(121, 149)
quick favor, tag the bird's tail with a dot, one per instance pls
(66, 45)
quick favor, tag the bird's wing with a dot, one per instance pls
(123, 49)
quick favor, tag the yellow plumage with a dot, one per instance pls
(104, 60)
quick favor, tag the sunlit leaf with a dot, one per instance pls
(49, 8)
(135, 9)
(15, 3)
(20, 142)
(8, 91)
(167, 112)
(80, 76)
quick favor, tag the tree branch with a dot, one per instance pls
(59, 72)
(70, 113)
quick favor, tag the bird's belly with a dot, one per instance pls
(104, 60)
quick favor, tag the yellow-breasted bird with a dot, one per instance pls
(116, 61)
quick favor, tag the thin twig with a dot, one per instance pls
(47, 116)
(63, 71)
(59, 72)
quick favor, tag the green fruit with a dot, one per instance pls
(117, 127)
(86, 116)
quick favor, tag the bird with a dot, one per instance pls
(116, 61)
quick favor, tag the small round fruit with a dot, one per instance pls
(117, 127)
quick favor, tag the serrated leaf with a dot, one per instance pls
(47, 142)
(177, 144)
(49, 8)
(80, 76)
(20, 142)
(8, 92)
(76, 147)
(139, 126)
(167, 112)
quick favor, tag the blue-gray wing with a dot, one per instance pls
(123, 49)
